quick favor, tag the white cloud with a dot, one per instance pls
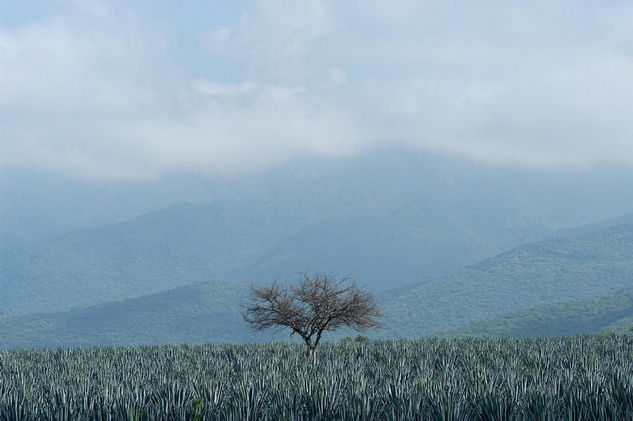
(273, 39)
(108, 91)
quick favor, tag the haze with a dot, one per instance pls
(470, 163)
(135, 90)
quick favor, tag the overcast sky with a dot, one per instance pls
(129, 89)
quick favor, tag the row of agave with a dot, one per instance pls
(570, 378)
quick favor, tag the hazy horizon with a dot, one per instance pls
(114, 90)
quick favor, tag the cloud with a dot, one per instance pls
(112, 91)
(274, 39)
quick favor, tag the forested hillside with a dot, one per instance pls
(560, 269)
(563, 285)
(389, 219)
(610, 313)
(198, 313)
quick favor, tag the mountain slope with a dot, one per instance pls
(388, 219)
(614, 312)
(593, 228)
(204, 312)
(555, 270)
(571, 270)
(148, 254)
(198, 313)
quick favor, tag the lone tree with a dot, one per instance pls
(316, 304)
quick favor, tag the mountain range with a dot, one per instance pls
(557, 269)
(389, 219)
(572, 282)
(612, 313)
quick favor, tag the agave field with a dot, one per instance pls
(570, 378)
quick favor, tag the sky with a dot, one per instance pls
(136, 89)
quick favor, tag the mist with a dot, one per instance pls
(113, 90)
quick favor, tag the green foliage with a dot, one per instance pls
(605, 333)
(519, 379)
(357, 339)
(195, 414)
(197, 313)
(610, 313)
(558, 270)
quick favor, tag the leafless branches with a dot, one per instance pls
(318, 303)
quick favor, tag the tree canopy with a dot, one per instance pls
(317, 303)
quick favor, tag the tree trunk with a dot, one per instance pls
(310, 347)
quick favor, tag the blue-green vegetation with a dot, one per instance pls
(196, 313)
(389, 218)
(556, 270)
(584, 377)
(613, 313)
(567, 284)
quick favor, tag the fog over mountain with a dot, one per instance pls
(151, 146)
(388, 219)
(35, 205)
(113, 89)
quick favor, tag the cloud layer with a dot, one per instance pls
(106, 90)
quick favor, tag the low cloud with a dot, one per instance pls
(109, 91)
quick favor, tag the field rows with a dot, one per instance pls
(452, 379)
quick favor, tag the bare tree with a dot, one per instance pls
(316, 304)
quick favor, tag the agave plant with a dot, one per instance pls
(446, 379)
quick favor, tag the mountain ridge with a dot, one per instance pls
(210, 311)
(388, 219)
(606, 313)
(549, 271)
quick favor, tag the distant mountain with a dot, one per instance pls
(198, 313)
(568, 268)
(593, 228)
(152, 253)
(35, 205)
(610, 313)
(204, 312)
(388, 218)
(559, 286)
